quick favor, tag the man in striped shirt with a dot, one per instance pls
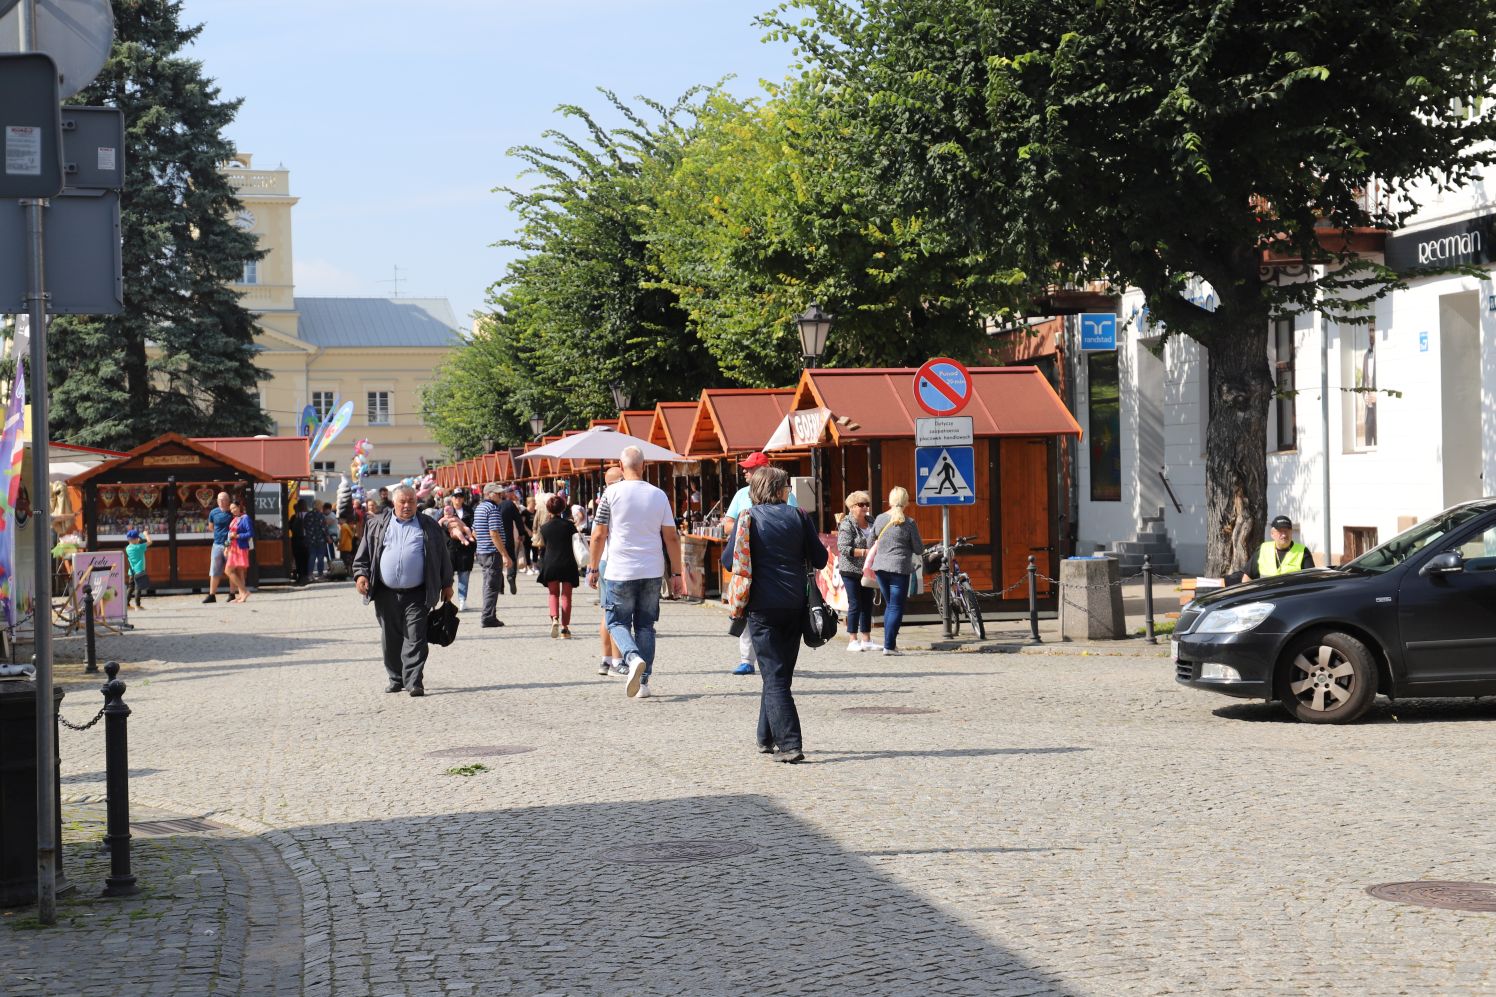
(493, 551)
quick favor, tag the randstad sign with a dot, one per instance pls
(1465, 243)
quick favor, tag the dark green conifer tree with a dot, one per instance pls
(181, 355)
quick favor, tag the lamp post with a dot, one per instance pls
(537, 425)
(815, 326)
(487, 442)
(620, 396)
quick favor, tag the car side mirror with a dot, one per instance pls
(1448, 563)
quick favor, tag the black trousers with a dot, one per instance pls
(302, 555)
(776, 640)
(513, 567)
(402, 633)
(492, 566)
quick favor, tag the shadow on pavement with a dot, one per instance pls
(589, 899)
(869, 756)
(1385, 712)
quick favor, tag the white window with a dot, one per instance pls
(379, 408)
(378, 469)
(251, 272)
(323, 402)
(1358, 377)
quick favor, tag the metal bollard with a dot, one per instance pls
(92, 668)
(1148, 600)
(121, 881)
(1033, 586)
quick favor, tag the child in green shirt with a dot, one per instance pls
(136, 543)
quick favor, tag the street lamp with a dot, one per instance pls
(537, 425)
(620, 395)
(815, 326)
(487, 442)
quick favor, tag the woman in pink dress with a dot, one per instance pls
(236, 562)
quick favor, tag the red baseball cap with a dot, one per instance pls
(753, 460)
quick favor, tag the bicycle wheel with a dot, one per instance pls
(973, 613)
(942, 603)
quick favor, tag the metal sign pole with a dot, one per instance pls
(945, 540)
(41, 614)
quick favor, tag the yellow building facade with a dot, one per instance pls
(375, 352)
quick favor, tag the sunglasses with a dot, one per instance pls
(863, 503)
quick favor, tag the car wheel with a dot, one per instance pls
(1327, 678)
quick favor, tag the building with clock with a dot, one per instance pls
(323, 351)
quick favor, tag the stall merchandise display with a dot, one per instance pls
(145, 507)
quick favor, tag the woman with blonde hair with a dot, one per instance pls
(899, 550)
(854, 535)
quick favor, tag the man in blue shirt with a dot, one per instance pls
(403, 564)
(220, 518)
(495, 552)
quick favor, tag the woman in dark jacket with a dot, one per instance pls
(782, 542)
(558, 564)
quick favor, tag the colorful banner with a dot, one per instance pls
(309, 421)
(12, 452)
(330, 430)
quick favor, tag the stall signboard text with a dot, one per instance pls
(942, 386)
(953, 431)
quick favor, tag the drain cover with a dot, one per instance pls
(663, 852)
(1439, 893)
(481, 751)
(173, 825)
(892, 711)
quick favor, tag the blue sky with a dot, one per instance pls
(394, 118)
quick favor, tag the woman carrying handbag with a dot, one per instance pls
(782, 542)
(894, 558)
(854, 536)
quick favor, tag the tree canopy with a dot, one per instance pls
(1158, 143)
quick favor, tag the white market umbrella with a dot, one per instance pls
(599, 443)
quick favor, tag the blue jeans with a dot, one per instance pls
(631, 609)
(319, 559)
(462, 583)
(895, 590)
(859, 605)
(776, 638)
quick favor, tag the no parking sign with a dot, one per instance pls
(942, 386)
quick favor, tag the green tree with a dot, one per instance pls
(1158, 143)
(768, 207)
(578, 309)
(181, 355)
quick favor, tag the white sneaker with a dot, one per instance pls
(636, 674)
(892, 652)
(643, 692)
(555, 628)
(461, 604)
(854, 646)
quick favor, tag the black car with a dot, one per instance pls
(1413, 617)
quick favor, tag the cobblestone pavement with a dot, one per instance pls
(1056, 825)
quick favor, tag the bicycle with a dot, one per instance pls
(951, 587)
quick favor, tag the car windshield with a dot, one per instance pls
(1403, 546)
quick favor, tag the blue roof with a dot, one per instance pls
(351, 322)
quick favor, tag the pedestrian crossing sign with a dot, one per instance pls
(945, 476)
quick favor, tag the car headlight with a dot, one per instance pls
(1234, 620)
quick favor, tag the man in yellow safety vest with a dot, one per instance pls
(1280, 555)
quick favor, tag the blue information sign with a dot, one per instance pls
(1098, 331)
(945, 476)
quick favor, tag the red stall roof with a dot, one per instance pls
(736, 420)
(282, 457)
(878, 404)
(636, 422)
(671, 428)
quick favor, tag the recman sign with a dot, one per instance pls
(948, 431)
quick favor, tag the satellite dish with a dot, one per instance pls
(77, 34)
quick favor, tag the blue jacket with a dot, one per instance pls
(783, 543)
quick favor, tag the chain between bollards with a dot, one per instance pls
(1033, 593)
(92, 668)
(1148, 600)
(121, 881)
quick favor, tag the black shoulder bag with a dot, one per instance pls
(819, 625)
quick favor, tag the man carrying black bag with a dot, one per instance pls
(782, 541)
(402, 563)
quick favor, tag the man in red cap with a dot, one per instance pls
(747, 657)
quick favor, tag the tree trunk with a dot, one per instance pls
(1241, 388)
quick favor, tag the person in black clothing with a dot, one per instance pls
(301, 544)
(558, 565)
(515, 533)
(782, 542)
(461, 553)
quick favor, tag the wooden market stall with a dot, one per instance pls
(167, 487)
(671, 429)
(861, 423)
(285, 459)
